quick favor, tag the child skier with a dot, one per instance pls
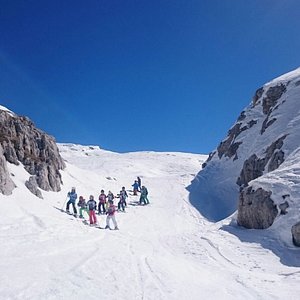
(139, 182)
(135, 187)
(110, 198)
(111, 216)
(121, 203)
(144, 194)
(91, 204)
(124, 194)
(83, 207)
(72, 199)
(102, 202)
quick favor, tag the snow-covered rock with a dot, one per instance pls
(296, 234)
(23, 143)
(6, 183)
(262, 145)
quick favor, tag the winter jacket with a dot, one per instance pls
(144, 192)
(82, 203)
(102, 198)
(135, 186)
(123, 195)
(72, 196)
(111, 210)
(91, 204)
(110, 197)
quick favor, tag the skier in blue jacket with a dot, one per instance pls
(72, 199)
(135, 187)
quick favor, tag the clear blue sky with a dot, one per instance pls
(128, 75)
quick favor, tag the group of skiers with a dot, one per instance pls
(106, 203)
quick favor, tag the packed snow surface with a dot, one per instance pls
(165, 250)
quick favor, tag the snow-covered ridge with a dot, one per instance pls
(94, 158)
(287, 77)
(7, 110)
(264, 141)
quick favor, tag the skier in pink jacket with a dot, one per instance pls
(111, 216)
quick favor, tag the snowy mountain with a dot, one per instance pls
(165, 250)
(256, 167)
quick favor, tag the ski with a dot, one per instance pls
(85, 222)
(69, 213)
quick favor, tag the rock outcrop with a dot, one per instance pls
(254, 167)
(296, 234)
(256, 208)
(245, 172)
(6, 183)
(32, 185)
(23, 143)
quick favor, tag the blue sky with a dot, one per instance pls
(142, 75)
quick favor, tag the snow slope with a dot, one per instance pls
(166, 250)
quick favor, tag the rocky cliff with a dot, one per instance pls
(22, 143)
(265, 136)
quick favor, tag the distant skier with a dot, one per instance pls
(83, 206)
(135, 187)
(111, 216)
(139, 182)
(102, 202)
(92, 204)
(72, 199)
(144, 196)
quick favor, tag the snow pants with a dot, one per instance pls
(92, 215)
(108, 218)
(121, 204)
(73, 204)
(81, 210)
(103, 208)
(144, 199)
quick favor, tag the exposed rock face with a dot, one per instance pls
(229, 147)
(6, 184)
(31, 184)
(254, 167)
(23, 143)
(296, 234)
(257, 96)
(256, 209)
(260, 142)
(273, 94)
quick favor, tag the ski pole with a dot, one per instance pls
(62, 208)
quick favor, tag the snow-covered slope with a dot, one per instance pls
(166, 250)
(266, 134)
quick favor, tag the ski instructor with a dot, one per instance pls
(72, 199)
